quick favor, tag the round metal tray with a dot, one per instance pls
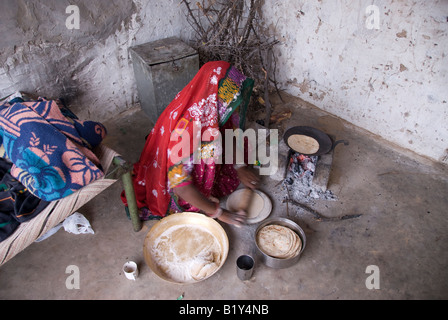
(175, 243)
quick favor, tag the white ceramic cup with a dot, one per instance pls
(130, 270)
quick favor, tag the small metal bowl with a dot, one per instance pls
(278, 263)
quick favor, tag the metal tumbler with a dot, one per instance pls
(244, 267)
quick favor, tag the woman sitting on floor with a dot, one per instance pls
(215, 100)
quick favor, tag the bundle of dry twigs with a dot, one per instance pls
(233, 31)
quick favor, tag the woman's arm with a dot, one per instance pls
(191, 194)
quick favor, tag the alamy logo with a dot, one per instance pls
(373, 17)
(73, 280)
(373, 281)
(258, 148)
(73, 20)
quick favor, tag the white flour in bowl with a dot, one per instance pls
(187, 253)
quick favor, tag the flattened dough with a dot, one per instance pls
(239, 202)
(303, 144)
(255, 206)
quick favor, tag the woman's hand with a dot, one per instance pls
(192, 195)
(248, 177)
(235, 218)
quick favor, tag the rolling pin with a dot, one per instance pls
(245, 199)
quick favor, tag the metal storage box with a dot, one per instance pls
(162, 68)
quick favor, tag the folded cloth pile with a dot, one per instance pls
(49, 149)
(17, 204)
(51, 154)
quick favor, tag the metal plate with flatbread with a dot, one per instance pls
(308, 140)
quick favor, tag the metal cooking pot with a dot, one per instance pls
(276, 262)
(325, 143)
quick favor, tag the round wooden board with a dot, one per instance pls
(259, 208)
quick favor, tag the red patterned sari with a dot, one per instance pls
(216, 99)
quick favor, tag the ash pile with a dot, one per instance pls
(300, 173)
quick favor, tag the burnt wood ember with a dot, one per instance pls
(299, 178)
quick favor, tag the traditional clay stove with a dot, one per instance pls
(310, 158)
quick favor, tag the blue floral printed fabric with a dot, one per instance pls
(51, 153)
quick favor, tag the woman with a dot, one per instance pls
(215, 100)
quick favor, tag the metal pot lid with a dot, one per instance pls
(163, 50)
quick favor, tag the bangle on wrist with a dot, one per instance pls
(217, 213)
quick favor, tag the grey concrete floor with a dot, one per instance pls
(403, 231)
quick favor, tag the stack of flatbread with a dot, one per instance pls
(278, 241)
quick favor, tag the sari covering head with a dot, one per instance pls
(182, 148)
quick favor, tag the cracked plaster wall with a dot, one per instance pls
(89, 67)
(391, 81)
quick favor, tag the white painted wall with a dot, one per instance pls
(391, 81)
(90, 66)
